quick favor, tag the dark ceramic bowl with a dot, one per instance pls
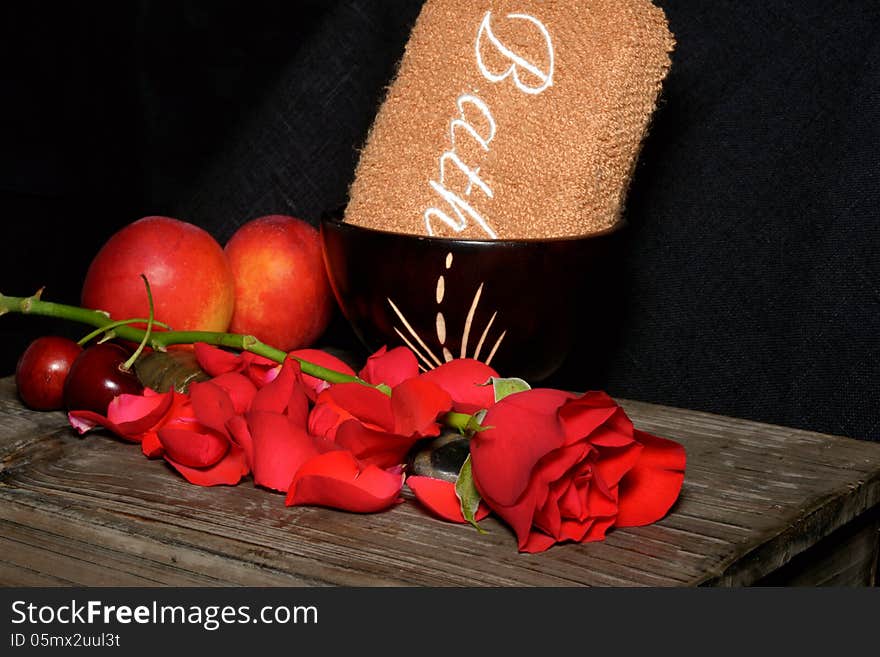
(518, 305)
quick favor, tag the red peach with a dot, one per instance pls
(189, 276)
(282, 294)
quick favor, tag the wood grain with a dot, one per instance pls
(93, 511)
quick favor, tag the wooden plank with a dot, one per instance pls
(92, 510)
(846, 558)
(798, 486)
(17, 575)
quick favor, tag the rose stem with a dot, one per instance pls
(159, 340)
(462, 422)
(33, 305)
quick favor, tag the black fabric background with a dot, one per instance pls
(749, 281)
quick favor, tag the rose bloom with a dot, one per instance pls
(561, 467)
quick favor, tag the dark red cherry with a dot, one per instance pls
(42, 370)
(96, 377)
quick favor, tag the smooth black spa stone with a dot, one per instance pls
(442, 457)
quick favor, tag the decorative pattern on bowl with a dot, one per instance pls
(514, 304)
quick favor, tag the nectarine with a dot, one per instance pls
(282, 294)
(189, 276)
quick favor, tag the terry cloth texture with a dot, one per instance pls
(513, 119)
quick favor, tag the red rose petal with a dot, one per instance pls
(377, 447)
(274, 396)
(416, 404)
(390, 367)
(616, 432)
(241, 390)
(128, 416)
(298, 405)
(438, 496)
(135, 414)
(571, 503)
(337, 480)
(652, 486)
(572, 530)
(84, 421)
(518, 516)
(601, 501)
(150, 445)
(559, 462)
(524, 427)
(465, 380)
(228, 471)
(614, 462)
(280, 448)
(260, 370)
(598, 529)
(181, 415)
(325, 418)
(540, 401)
(322, 358)
(211, 406)
(215, 361)
(366, 404)
(661, 452)
(537, 542)
(240, 434)
(325, 445)
(548, 517)
(191, 448)
(285, 394)
(583, 416)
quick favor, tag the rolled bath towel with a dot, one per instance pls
(513, 119)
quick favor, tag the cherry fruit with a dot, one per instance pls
(42, 370)
(96, 377)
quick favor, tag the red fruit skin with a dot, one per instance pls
(95, 378)
(42, 370)
(282, 294)
(189, 276)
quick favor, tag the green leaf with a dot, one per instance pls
(467, 494)
(475, 424)
(504, 387)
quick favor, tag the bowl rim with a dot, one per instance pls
(338, 223)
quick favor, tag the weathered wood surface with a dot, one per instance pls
(757, 499)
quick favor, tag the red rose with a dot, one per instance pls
(561, 467)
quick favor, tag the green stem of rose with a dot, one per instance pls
(459, 421)
(160, 340)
